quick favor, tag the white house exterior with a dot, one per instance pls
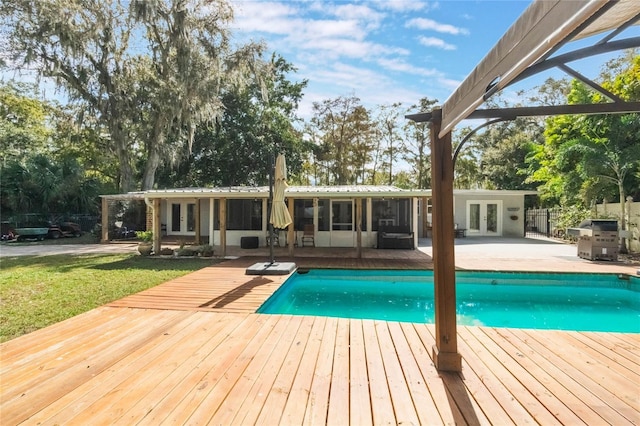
(342, 216)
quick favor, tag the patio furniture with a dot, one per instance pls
(249, 242)
(395, 237)
(308, 235)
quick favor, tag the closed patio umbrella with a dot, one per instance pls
(280, 217)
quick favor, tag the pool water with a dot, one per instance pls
(562, 301)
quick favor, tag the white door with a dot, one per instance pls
(484, 218)
(182, 218)
(342, 227)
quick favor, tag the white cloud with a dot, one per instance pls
(404, 5)
(430, 24)
(400, 65)
(436, 42)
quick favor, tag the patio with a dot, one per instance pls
(192, 351)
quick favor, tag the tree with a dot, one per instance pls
(418, 142)
(239, 147)
(586, 157)
(388, 121)
(23, 128)
(149, 70)
(335, 125)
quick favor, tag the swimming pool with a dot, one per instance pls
(563, 301)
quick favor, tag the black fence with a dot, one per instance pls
(542, 223)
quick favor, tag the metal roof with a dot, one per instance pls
(341, 191)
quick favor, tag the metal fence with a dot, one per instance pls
(542, 222)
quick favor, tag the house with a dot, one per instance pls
(341, 216)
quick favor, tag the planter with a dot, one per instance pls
(145, 248)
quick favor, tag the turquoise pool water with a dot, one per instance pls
(563, 301)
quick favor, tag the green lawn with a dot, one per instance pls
(39, 291)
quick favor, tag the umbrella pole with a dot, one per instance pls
(270, 209)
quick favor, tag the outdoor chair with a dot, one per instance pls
(308, 235)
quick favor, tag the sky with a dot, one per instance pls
(382, 51)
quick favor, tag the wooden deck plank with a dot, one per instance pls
(294, 410)
(318, 402)
(147, 370)
(457, 391)
(248, 412)
(360, 401)
(68, 406)
(403, 406)
(281, 389)
(498, 404)
(573, 397)
(581, 370)
(605, 356)
(378, 387)
(619, 385)
(246, 388)
(425, 407)
(338, 412)
(68, 375)
(421, 342)
(624, 351)
(614, 414)
(198, 398)
(533, 396)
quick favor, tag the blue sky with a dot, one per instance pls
(382, 51)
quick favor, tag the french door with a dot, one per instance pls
(342, 227)
(484, 218)
(182, 218)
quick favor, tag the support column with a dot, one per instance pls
(197, 229)
(105, 221)
(445, 351)
(211, 222)
(156, 227)
(415, 225)
(290, 229)
(359, 227)
(223, 226)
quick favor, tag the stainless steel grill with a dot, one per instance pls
(597, 239)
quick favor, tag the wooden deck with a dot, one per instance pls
(191, 351)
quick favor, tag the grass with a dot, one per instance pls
(39, 291)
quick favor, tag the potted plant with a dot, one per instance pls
(145, 247)
(206, 250)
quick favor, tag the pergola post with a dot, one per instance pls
(104, 238)
(445, 351)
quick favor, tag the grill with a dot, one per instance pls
(597, 239)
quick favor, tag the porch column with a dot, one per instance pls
(359, 227)
(425, 219)
(105, 221)
(445, 351)
(155, 227)
(197, 224)
(211, 221)
(222, 214)
(415, 225)
(290, 229)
